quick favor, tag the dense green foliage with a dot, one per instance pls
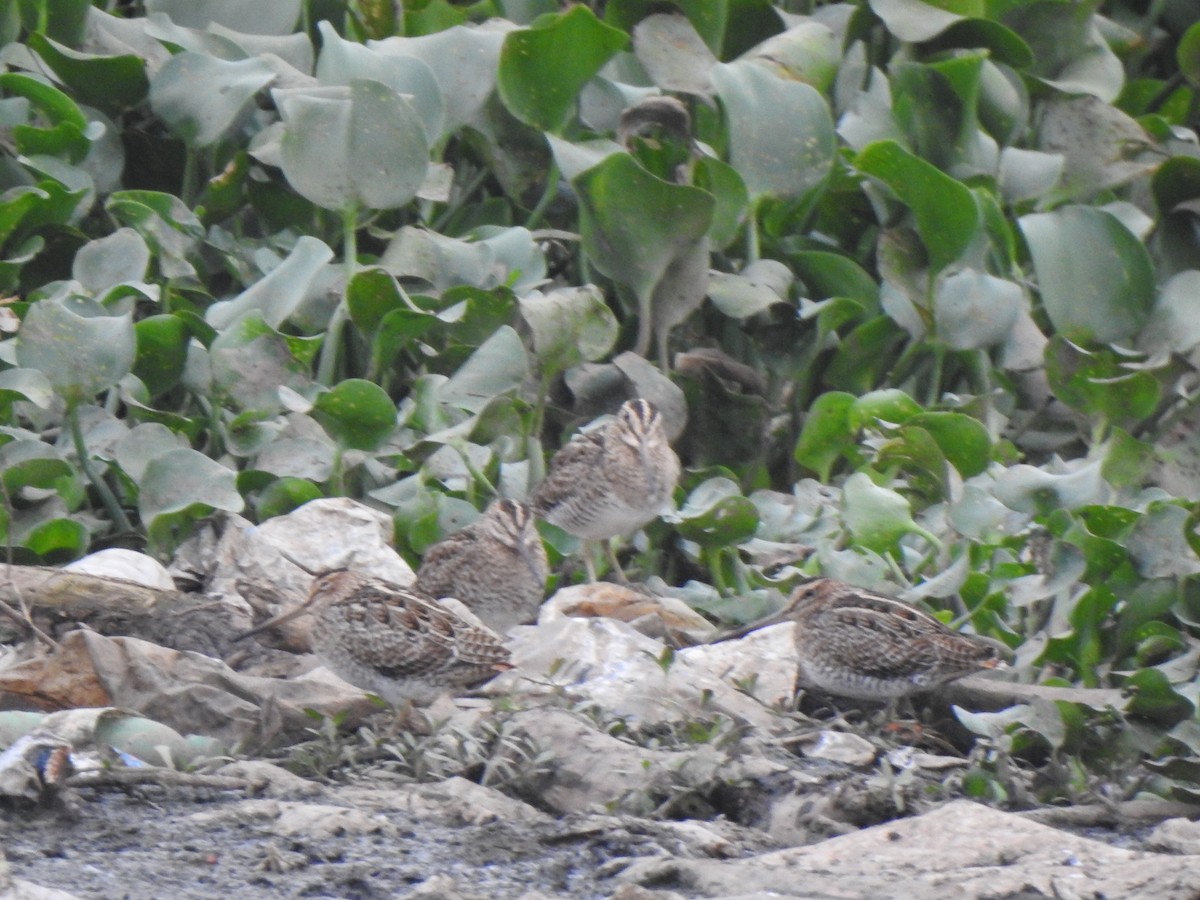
(927, 277)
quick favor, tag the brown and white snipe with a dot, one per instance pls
(392, 641)
(857, 643)
(610, 480)
(496, 566)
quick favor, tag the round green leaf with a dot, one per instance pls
(110, 83)
(544, 67)
(634, 224)
(888, 405)
(876, 516)
(827, 434)
(202, 98)
(78, 348)
(964, 440)
(776, 155)
(568, 326)
(274, 17)
(58, 540)
(162, 343)
(716, 514)
(356, 413)
(357, 147)
(945, 210)
(186, 481)
(281, 291)
(1095, 277)
(283, 495)
(26, 384)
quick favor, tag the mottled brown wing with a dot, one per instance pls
(885, 638)
(437, 574)
(867, 640)
(581, 454)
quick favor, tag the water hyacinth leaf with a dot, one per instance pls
(1069, 51)
(1127, 461)
(499, 365)
(184, 480)
(143, 443)
(877, 516)
(33, 464)
(543, 68)
(284, 495)
(716, 514)
(117, 258)
(1095, 278)
(758, 287)
(633, 224)
(915, 21)
(26, 384)
(888, 405)
(833, 275)
(1175, 320)
(568, 326)
(464, 62)
(357, 414)
(342, 61)
(1154, 698)
(281, 291)
(778, 156)
(162, 343)
(1159, 546)
(357, 147)
(58, 540)
(963, 439)
(1032, 490)
(203, 99)
(673, 53)
(972, 310)
(807, 52)
(946, 214)
(1003, 44)
(922, 460)
(249, 16)
(1187, 54)
(371, 294)
(64, 132)
(827, 435)
(249, 361)
(501, 256)
(1027, 174)
(1096, 382)
(109, 83)
(1101, 146)
(172, 231)
(727, 187)
(78, 348)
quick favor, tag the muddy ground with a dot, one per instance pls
(151, 842)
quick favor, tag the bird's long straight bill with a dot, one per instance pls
(273, 622)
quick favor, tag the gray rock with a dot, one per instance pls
(958, 851)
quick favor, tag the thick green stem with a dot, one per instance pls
(85, 462)
(327, 366)
(548, 195)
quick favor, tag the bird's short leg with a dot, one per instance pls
(614, 562)
(589, 562)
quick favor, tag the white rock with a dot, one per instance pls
(116, 562)
(632, 676)
(959, 851)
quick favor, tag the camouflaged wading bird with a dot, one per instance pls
(852, 642)
(611, 480)
(392, 641)
(496, 566)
